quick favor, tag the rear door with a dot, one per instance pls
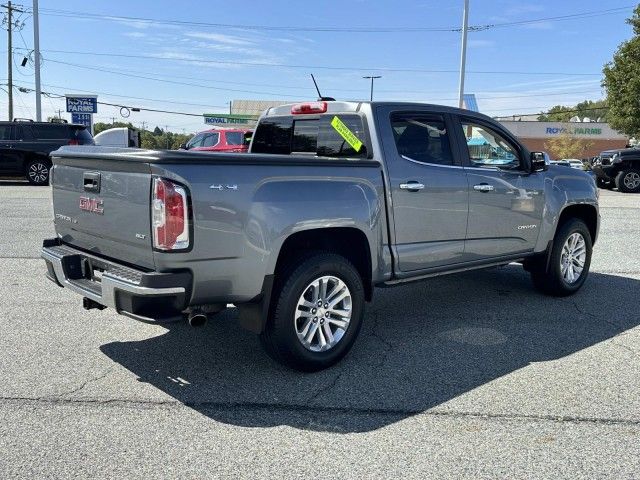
(104, 206)
(8, 162)
(505, 200)
(428, 187)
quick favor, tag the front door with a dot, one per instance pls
(505, 201)
(429, 189)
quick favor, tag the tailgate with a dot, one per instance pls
(103, 206)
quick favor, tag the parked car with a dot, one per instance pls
(25, 147)
(333, 200)
(561, 163)
(220, 140)
(574, 163)
(619, 168)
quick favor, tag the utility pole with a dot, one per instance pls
(36, 54)
(10, 58)
(10, 28)
(372, 77)
(166, 132)
(463, 53)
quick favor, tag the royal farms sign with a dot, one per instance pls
(573, 131)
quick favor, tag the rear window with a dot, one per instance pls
(50, 132)
(317, 136)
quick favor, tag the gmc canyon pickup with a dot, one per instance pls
(333, 200)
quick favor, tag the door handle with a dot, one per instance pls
(411, 186)
(91, 181)
(484, 187)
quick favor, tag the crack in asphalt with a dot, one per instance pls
(83, 384)
(618, 328)
(296, 408)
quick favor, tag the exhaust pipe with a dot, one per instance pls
(197, 319)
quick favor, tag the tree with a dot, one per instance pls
(567, 145)
(622, 82)
(588, 108)
(157, 131)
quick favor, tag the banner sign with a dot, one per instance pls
(230, 119)
(82, 103)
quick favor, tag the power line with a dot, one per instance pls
(550, 112)
(323, 67)
(163, 100)
(287, 87)
(132, 75)
(349, 29)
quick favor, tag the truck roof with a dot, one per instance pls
(334, 106)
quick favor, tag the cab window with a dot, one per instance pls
(210, 140)
(488, 148)
(422, 139)
(196, 141)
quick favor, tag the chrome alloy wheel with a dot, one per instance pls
(574, 254)
(323, 313)
(631, 180)
(38, 172)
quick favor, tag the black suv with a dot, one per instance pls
(25, 147)
(618, 168)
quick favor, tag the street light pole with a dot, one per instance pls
(36, 53)
(463, 53)
(372, 77)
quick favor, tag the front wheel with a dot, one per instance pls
(317, 313)
(628, 181)
(38, 172)
(569, 261)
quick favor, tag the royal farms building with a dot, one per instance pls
(597, 137)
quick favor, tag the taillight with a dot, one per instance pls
(311, 107)
(169, 215)
(74, 141)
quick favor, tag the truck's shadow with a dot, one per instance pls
(423, 344)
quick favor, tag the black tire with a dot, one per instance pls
(37, 171)
(280, 338)
(607, 184)
(628, 180)
(550, 280)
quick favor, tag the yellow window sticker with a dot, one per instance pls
(347, 134)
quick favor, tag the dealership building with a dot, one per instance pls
(597, 136)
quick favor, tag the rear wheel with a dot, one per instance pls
(317, 313)
(37, 172)
(569, 261)
(628, 180)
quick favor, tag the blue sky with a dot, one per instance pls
(182, 73)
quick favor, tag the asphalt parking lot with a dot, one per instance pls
(473, 375)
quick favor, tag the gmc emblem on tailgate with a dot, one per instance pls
(93, 205)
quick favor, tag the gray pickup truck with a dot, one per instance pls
(333, 200)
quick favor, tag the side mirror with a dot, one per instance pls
(183, 146)
(539, 162)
